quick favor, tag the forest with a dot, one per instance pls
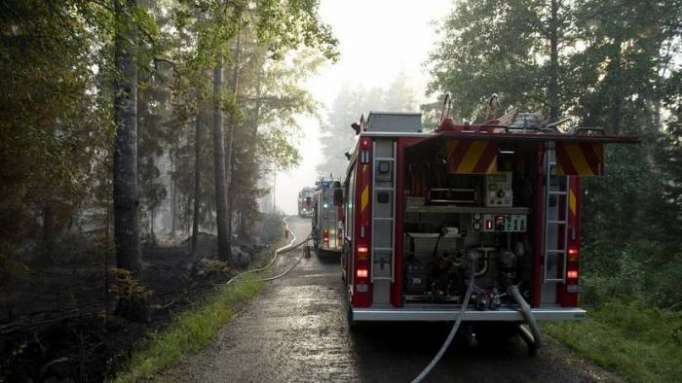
(130, 133)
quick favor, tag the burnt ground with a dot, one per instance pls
(56, 329)
(296, 331)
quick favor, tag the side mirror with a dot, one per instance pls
(338, 197)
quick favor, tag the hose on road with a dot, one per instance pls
(284, 249)
(513, 290)
(467, 296)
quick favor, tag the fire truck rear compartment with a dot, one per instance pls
(454, 220)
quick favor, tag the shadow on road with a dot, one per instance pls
(328, 257)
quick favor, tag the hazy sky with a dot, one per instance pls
(378, 39)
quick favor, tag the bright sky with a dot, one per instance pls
(378, 39)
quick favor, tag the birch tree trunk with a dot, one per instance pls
(126, 225)
(219, 162)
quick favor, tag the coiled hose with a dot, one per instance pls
(467, 296)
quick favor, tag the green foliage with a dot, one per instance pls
(640, 343)
(642, 270)
(189, 332)
(490, 46)
(280, 42)
(350, 103)
(50, 125)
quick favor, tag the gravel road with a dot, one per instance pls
(296, 331)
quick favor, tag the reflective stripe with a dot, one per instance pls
(364, 198)
(581, 159)
(472, 157)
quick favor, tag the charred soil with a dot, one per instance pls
(61, 328)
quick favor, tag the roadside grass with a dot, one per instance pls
(190, 331)
(640, 344)
(194, 329)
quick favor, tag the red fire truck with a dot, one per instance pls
(305, 201)
(326, 214)
(502, 199)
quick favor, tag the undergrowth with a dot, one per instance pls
(639, 343)
(189, 332)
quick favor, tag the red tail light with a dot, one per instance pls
(572, 265)
(362, 273)
(573, 254)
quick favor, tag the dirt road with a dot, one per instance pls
(296, 331)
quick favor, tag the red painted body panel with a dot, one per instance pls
(363, 219)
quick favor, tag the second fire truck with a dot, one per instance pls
(326, 215)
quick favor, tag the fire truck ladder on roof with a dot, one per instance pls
(556, 219)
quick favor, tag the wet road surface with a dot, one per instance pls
(296, 331)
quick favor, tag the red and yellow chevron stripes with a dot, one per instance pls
(472, 157)
(364, 195)
(580, 159)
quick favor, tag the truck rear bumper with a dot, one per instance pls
(444, 315)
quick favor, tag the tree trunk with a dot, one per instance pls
(197, 183)
(49, 235)
(615, 92)
(230, 139)
(219, 162)
(173, 191)
(126, 225)
(553, 87)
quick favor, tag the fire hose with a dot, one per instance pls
(284, 249)
(513, 290)
(467, 296)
